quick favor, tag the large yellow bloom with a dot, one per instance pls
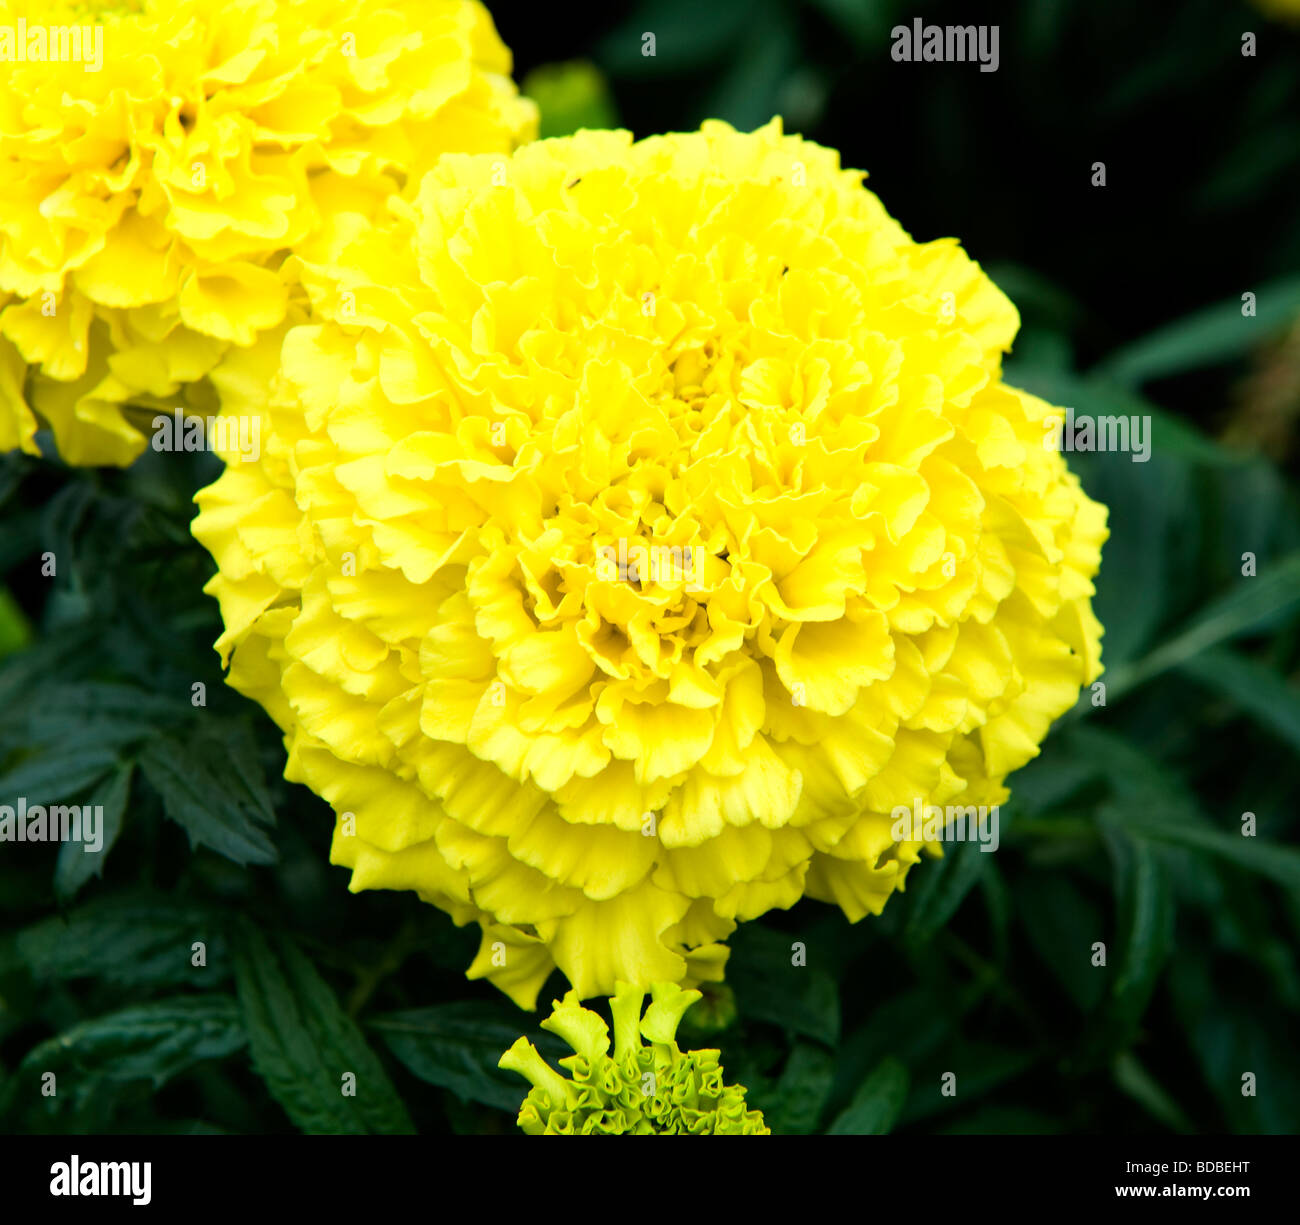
(643, 524)
(153, 183)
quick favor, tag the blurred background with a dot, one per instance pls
(1127, 830)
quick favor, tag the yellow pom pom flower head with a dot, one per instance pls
(634, 1089)
(161, 157)
(656, 524)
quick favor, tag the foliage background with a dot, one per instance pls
(1126, 829)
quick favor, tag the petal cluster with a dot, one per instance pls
(158, 169)
(640, 526)
(636, 1089)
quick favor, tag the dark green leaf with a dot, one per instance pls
(794, 1104)
(748, 92)
(208, 798)
(976, 1068)
(770, 987)
(135, 939)
(908, 1026)
(457, 1046)
(1098, 396)
(938, 889)
(146, 1042)
(305, 1047)
(866, 22)
(1145, 931)
(1208, 337)
(876, 1105)
(1279, 863)
(1253, 604)
(1235, 1043)
(1143, 1088)
(1260, 692)
(110, 712)
(687, 37)
(77, 864)
(1062, 925)
(56, 775)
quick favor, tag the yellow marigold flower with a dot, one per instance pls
(639, 526)
(655, 1090)
(159, 158)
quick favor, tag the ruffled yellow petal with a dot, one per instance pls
(155, 189)
(640, 526)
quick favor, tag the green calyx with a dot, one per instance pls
(636, 1089)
